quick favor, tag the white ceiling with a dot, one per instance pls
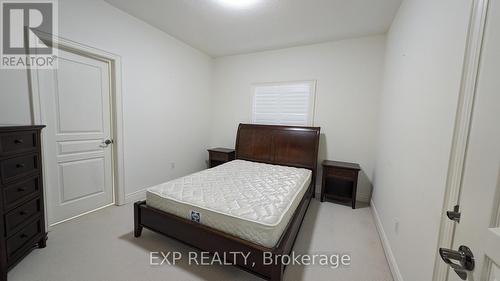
(271, 24)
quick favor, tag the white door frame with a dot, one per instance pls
(114, 62)
(462, 131)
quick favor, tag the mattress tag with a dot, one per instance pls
(195, 216)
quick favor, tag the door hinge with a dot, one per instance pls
(455, 214)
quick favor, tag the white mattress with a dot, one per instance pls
(250, 200)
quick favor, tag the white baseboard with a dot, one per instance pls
(135, 196)
(396, 274)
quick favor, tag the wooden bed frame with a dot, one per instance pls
(281, 145)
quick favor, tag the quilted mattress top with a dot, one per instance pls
(256, 192)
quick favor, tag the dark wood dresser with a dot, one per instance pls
(21, 197)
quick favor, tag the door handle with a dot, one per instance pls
(106, 143)
(464, 257)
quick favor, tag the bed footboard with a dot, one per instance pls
(215, 241)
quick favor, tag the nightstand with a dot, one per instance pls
(340, 181)
(217, 156)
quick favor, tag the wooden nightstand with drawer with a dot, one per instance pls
(217, 156)
(340, 181)
(21, 195)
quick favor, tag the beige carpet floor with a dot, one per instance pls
(101, 247)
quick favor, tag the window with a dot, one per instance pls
(290, 103)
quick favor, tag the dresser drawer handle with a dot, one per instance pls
(20, 165)
(20, 189)
(18, 141)
(22, 213)
(22, 236)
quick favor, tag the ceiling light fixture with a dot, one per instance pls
(238, 4)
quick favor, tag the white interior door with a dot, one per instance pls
(479, 227)
(75, 106)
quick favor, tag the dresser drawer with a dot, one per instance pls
(18, 216)
(13, 168)
(219, 156)
(16, 193)
(22, 240)
(342, 173)
(17, 142)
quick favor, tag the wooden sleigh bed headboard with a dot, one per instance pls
(281, 145)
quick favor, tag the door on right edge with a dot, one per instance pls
(479, 227)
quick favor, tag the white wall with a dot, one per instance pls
(14, 98)
(166, 91)
(424, 58)
(349, 76)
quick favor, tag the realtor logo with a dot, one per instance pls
(24, 24)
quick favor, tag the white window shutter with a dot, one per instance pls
(284, 103)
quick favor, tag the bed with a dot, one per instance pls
(254, 204)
